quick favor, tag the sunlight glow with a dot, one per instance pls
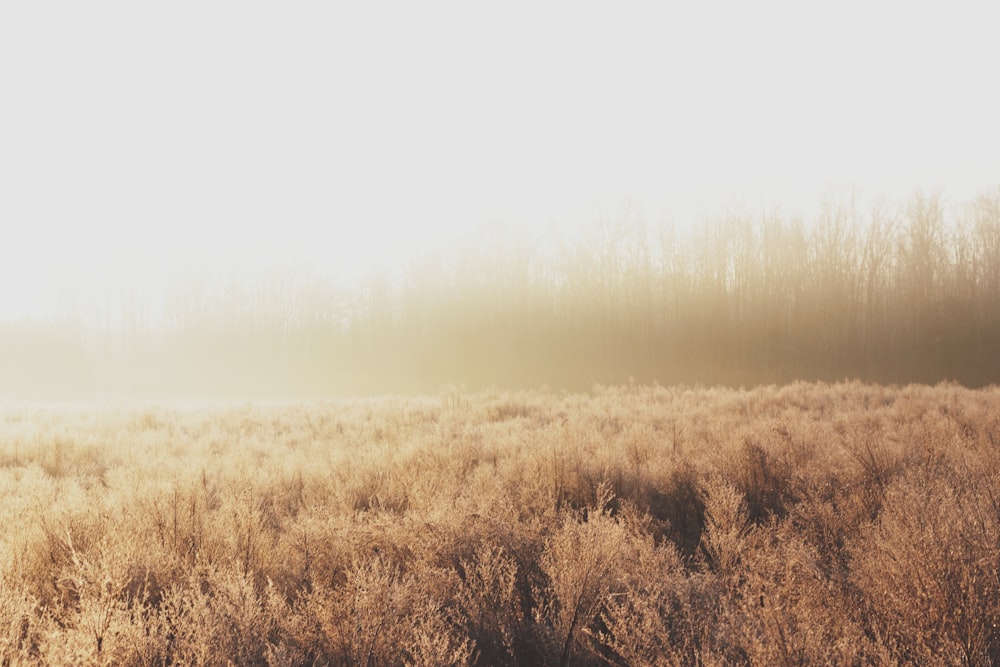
(137, 139)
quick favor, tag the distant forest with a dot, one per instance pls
(889, 292)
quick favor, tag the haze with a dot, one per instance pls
(142, 144)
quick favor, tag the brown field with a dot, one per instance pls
(805, 524)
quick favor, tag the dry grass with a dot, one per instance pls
(805, 524)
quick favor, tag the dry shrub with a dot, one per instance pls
(584, 562)
(763, 477)
(727, 529)
(678, 503)
(496, 558)
(667, 620)
(217, 616)
(878, 461)
(490, 601)
(664, 615)
(103, 584)
(828, 525)
(785, 611)
(376, 488)
(104, 613)
(437, 641)
(251, 528)
(181, 520)
(383, 616)
(516, 407)
(928, 570)
(807, 524)
(47, 549)
(19, 623)
(778, 606)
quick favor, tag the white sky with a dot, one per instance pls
(136, 137)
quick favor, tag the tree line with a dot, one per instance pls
(890, 292)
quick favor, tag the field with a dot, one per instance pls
(637, 525)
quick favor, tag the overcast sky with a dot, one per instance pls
(136, 137)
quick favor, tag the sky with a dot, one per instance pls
(140, 140)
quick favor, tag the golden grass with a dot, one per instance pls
(804, 524)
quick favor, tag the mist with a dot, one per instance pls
(881, 291)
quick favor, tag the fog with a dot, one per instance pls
(253, 199)
(886, 291)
